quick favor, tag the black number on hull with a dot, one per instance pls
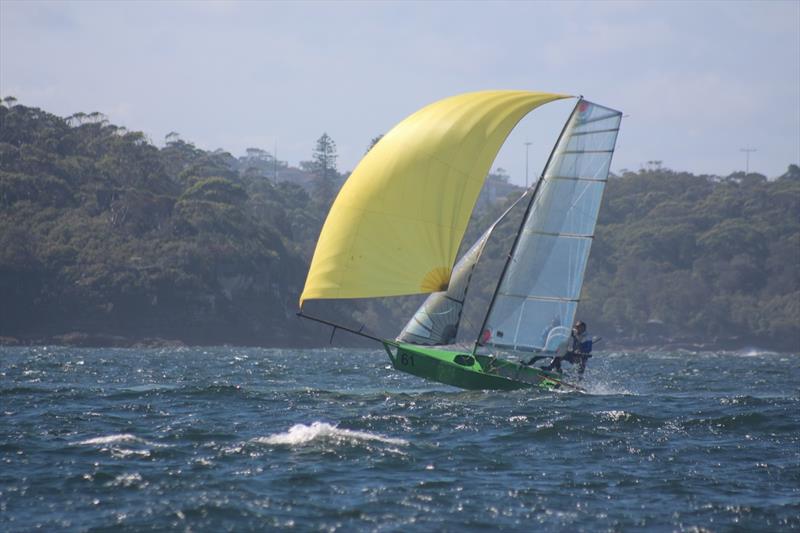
(406, 359)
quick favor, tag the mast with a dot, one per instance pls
(522, 224)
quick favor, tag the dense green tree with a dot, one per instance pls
(323, 167)
(324, 157)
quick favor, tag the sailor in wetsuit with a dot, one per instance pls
(578, 350)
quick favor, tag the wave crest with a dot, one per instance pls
(300, 434)
(113, 439)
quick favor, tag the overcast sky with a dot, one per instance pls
(698, 81)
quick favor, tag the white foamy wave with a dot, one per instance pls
(753, 352)
(128, 480)
(113, 439)
(300, 434)
(122, 453)
(121, 438)
(615, 416)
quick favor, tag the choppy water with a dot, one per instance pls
(253, 439)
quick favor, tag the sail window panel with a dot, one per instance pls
(609, 122)
(592, 141)
(593, 165)
(547, 324)
(547, 266)
(566, 207)
(525, 324)
(504, 321)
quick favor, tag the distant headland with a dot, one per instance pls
(109, 240)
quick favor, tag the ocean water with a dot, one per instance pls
(217, 439)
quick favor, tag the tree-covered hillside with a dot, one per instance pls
(102, 233)
(698, 258)
(106, 238)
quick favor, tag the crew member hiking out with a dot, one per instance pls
(579, 350)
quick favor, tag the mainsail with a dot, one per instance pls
(537, 296)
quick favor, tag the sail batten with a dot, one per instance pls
(538, 298)
(554, 234)
(567, 178)
(592, 132)
(587, 152)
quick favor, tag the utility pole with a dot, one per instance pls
(275, 162)
(527, 145)
(747, 152)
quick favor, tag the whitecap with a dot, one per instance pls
(122, 453)
(615, 415)
(753, 352)
(112, 439)
(127, 480)
(121, 438)
(302, 434)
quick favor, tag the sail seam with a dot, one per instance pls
(588, 152)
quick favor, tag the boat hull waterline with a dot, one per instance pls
(472, 372)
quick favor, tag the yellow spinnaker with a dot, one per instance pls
(397, 222)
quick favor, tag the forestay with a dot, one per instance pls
(537, 297)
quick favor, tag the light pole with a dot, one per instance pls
(275, 162)
(527, 145)
(747, 152)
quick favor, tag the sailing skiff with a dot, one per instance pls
(397, 223)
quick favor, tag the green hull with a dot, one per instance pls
(463, 370)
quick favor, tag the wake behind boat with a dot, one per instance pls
(397, 223)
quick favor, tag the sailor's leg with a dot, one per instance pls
(554, 364)
(532, 360)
